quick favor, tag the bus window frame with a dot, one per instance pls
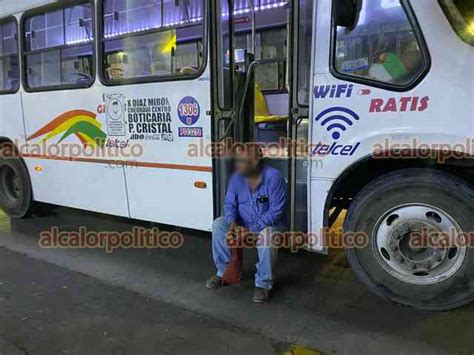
(49, 8)
(420, 38)
(149, 79)
(277, 60)
(3, 21)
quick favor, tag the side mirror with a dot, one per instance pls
(346, 12)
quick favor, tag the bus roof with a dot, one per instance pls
(11, 7)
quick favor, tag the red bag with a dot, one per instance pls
(233, 272)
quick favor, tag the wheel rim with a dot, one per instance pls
(407, 244)
(10, 186)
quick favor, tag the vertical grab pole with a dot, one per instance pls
(254, 30)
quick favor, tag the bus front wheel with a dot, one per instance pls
(15, 188)
(417, 225)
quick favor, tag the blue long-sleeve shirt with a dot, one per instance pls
(265, 207)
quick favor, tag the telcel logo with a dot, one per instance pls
(333, 91)
(335, 149)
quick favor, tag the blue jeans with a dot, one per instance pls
(267, 255)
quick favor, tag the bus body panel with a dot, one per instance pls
(11, 122)
(155, 184)
(440, 116)
(85, 182)
(89, 186)
(17, 6)
(165, 182)
(176, 203)
(164, 191)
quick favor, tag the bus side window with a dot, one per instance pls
(271, 44)
(149, 39)
(58, 48)
(9, 69)
(383, 47)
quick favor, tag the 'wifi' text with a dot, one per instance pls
(333, 91)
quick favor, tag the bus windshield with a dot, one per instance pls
(382, 47)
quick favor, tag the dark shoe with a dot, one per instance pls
(214, 283)
(261, 295)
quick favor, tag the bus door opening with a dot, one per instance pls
(261, 52)
(252, 89)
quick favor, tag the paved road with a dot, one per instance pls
(317, 302)
(51, 310)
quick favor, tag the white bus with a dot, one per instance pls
(380, 94)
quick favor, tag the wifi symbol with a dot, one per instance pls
(333, 119)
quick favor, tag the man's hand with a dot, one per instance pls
(233, 233)
(237, 234)
(233, 227)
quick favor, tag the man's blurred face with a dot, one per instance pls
(246, 163)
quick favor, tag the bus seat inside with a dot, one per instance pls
(262, 113)
(268, 127)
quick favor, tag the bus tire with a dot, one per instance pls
(389, 212)
(15, 187)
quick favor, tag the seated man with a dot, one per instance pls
(255, 203)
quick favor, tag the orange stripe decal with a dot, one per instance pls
(205, 169)
(58, 120)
